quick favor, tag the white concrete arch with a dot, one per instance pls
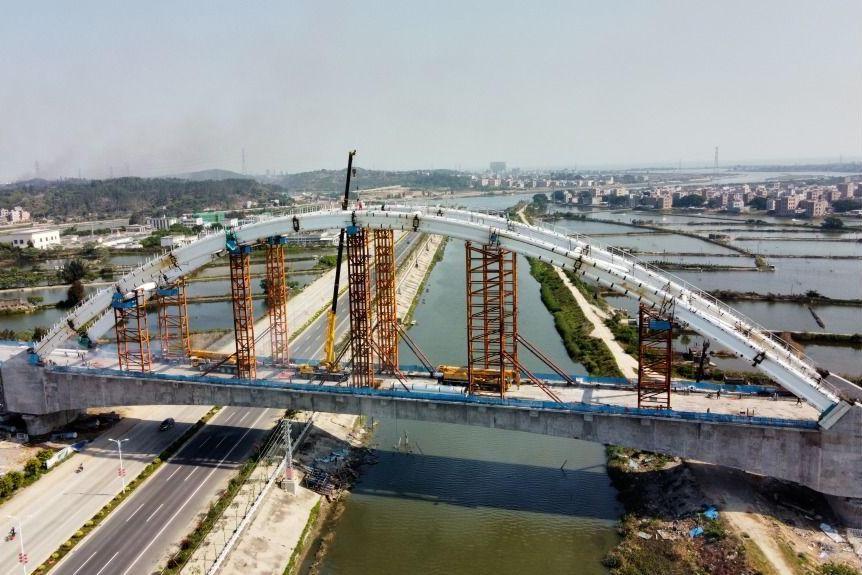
(608, 267)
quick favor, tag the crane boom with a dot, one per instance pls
(329, 349)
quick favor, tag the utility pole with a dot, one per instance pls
(243, 161)
(122, 470)
(289, 477)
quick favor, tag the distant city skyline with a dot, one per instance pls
(161, 88)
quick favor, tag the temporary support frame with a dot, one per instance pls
(133, 335)
(386, 330)
(276, 299)
(173, 316)
(243, 311)
(655, 357)
(492, 319)
(359, 286)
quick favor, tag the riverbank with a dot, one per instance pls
(685, 517)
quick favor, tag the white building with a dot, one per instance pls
(40, 239)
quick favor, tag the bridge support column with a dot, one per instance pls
(359, 286)
(655, 358)
(492, 319)
(276, 299)
(386, 331)
(243, 312)
(173, 320)
(133, 335)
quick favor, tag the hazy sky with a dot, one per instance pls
(165, 87)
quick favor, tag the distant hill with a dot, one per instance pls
(77, 199)
(204, 175)
(333, 180)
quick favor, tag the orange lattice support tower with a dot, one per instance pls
(130, 326)
(173, 320)
(359, 285)
(243, 309)
(386, 332)
(492, 319)
(276, 299)
(655, 357)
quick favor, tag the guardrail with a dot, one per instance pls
(397, 393)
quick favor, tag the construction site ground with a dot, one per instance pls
(270, 540)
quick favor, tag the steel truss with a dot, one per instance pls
(655, 357)
(173, 318)
(492, 319)
(359, 285)
(130, 326)
(276, 299)
(386, 330)
(243, 311)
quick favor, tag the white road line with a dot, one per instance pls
(220, 441)
(132, 515)
(241, 419)
(84, 563)
(204, 442)
(186, 478)
(174, 473)
(154, 512)
(99, 572)
(186, 502)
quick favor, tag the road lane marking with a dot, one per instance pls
(220, 442)
(186, 502)
(132, 515)
(204, 442)
(99, 572)
(174, 473)
(241, 419)
(84, 563)
(190, 473)
(154, 512)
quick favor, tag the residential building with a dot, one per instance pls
(815, 208)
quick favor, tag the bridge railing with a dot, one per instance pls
(745, 322)
(397, 392)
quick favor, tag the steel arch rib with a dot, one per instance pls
(609, 268)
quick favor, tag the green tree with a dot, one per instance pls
(757, 203)
(690, 201)
(73, 270)
(832, 223)
(847, 204)
(39, 332)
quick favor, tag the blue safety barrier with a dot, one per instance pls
(453, 398)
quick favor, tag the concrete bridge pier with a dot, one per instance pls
(45, 423)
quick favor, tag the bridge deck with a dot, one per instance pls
(742, 408)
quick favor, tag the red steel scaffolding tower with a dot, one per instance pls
(359, 285)
(655, 357)
(130, 326)
(492, 319)
(386, 332)
(173, 320)
(243, 311)
(276, 298)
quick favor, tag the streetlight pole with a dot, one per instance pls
(122, 470)
(288, 460)
(22, 557)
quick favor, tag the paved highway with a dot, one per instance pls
(57, 505)
(165, 507)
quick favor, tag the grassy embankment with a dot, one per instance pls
(571, 323)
